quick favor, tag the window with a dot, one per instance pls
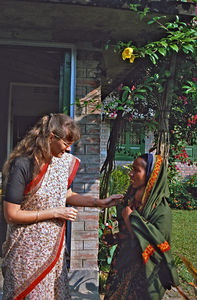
(131, 142)
(192, 152)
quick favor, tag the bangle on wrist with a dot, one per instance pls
(37, 216)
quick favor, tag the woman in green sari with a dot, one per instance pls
(142, 267)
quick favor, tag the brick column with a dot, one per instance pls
(84, 244)
(84, 235)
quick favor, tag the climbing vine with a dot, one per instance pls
(167, 91)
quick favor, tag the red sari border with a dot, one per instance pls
(36, 180)
(73, 173)
(23, 294)
(147, 253)
(163, 247)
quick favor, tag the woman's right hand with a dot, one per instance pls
(66, 213)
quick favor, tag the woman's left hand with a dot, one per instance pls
(126, 211)
(125, 214)
(113, 200)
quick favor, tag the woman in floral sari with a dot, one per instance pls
(38, 175)
(142, 267)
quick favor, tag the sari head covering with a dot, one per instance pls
(150, 160)
(151, 224)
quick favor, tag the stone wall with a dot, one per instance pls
(186, 170)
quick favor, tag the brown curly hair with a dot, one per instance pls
(36, 143)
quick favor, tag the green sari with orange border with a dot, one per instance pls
(143, 267)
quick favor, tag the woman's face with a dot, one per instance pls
(58, 146)
(138, 174)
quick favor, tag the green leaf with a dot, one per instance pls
(185, 51)
(175, 48)
(148, 87)
(148, 51)
(120, 108)
(124, 96)
(151, 22)
(134, 7)
(153, 59)
(126, 88)
(141, 14)
(164, 44)
(155, 55)
(189, 47)
(106, 47)
(162, 51)
(107, 44)
(186, 87)
(171, 25)
(139, 96)
(141, 91)
(130, 103)
(177, 109)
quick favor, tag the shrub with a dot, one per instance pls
(182, 192)
(119, 182)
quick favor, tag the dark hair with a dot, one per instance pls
(36, 142)
(144, 157)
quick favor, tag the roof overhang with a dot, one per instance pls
(87, 24)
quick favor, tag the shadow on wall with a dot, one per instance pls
(83, 286)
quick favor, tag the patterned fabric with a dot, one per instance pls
(147, 253)
(34, 265)
(151, 181)
(143, 267)
(127, 278)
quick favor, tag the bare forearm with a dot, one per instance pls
(92, 201)
(15, 215)
(29, 217)
(82, 200)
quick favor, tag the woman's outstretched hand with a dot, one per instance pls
(66, 213)
(113, 200)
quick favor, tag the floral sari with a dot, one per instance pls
(142, 267)
(34, 262)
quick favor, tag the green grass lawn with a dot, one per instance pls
(184, 241)
(184, 234)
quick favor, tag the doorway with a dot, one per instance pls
(28, 102)
(34, 81)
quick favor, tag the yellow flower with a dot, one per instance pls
(127, 53)
(132, 58)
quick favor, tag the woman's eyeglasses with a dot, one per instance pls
(59, 138)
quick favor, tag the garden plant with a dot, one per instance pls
(164, 91)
